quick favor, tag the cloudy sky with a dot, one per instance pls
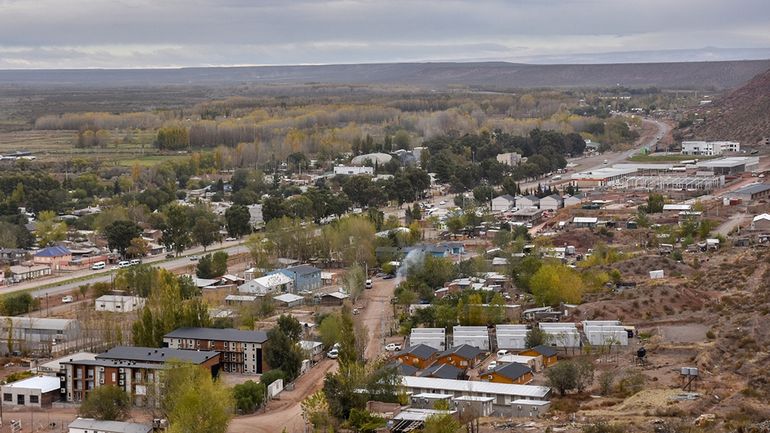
(172, 33)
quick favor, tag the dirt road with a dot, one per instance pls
(378, 315)
(286, 412)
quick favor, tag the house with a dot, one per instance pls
(442, 371)
(334, 298)
(304, 277)
(269, 284)
(585, 221)
(342, 170)
(548, 353)
(256, 220)
(404, 369)
(511, 336)
(513, 372)
(36, 334)
(574, 200)
(476, 336)
(709, 148)
(552, 202)
(463, 357)
(38, 391)
(55, 257)
(528, 201)
(533, 362)
(749, 193)
(605, 333)
(312, 349)
(23, 273)
(420, 356)
(503, 393)
(12, 256)
(433, 337)
(511, 159)
(529, 408)
(289, 300)
(135, 370)
(761, 222)
(242, 351)
(564, 335)
(528, 215)
(118, 303)
(503, 203)
(88, 425)
(428, 400)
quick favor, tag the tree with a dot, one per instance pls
(14, 304)
(249, 396)
(535, 337)
(48, 230)
(219, 263)
(315, 410)
(283, 353)
(555, 283)
(193, 402)
(237, 219)
(138, 247)
(290, 326)
(106, 403)
(176, 232)
(330, 330)
(562, 376)
(205, 231)
(204, 268)
(584, 373)
(441, 423)
(655, 203)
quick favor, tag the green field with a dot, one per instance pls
(667, 158)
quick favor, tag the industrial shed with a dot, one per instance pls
(563, 335)
(476, 336)
(511, 336)
(605, 333)
(433, 337)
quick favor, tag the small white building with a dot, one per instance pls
(118, 303)
(761, 222)
(563, 335)
(289, 300)
(36, 391)
(88, 425)
(273, 283)
(709, 148)
(511, 336)
(552, 202)
(528, 201)
(476, 336)
(511, 159)
(256, 219)
(346, 170)
(605, 333)
(503, 203)
(433, 337)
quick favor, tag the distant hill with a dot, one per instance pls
(742, 115)
(489, 76)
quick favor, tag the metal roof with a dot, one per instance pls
(38, 323)
(422, 351)
(43, 383)
(151, 354)
(227, 334)
(512, 370)
(55, 251)
(464, 351)
(476, 387)
(753, 189)
(109, 426)
(288, 298)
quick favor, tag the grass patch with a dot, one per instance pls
(667, 158)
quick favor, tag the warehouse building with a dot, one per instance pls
(511, 336)
(433, 337)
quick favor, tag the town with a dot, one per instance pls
(384, 247)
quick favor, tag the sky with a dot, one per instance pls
(175, 33)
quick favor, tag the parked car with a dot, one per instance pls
(502, 352)
(388, 277)
(98, 266)
(333, 354)
(392, 347)
(368, 284)
(124, 264)
(492, 365)
(67, 299)
(230, 239)
(193, 258)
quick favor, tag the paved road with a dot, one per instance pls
(66, 284)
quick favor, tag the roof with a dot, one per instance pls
(476, 387)
(683, 207)
(585, 220)
(443, 371)
(556, 197)
(763, 216)
(54, 251)
(506, 197)
(422, 351)
(55, 364)
(118, 298)
(288, 298)
(465, 351)
(153, 355)
(531, 402)
(227, 334)
(38, 323)
(43, 383)
(303, 269)
(753, 189)
(204, 282)
(532, 198)
(338, 295)
(514, 370)
(241, 298)
(404, 369)
(109, 426)
(544, 350)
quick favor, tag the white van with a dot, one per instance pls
(98, 265)
(134, 262)
(124, 264)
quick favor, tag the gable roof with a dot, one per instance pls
(545, 350)
(442, 371)
(512, 371)
(465, 351)
(54, 251)
(556, 197)
(229, 334)
(422, 351)
(532, 198)
(404, 369)
(763, 216)
(507, 197)
(303, 269)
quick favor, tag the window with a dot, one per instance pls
(34, 399)
(7, 397)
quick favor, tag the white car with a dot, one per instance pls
(442, 203)
(392, 347)
(502, 352)
(368, 284)
(492, 365)
(67, 299)
(333, 354)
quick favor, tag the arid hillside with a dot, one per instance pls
(742, 115)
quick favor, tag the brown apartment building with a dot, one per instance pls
(242, 351)
(133, 369)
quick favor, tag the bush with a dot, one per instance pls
(249, 396)
(271, 376)
(106, 403)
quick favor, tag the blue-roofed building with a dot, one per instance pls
(56, 257)
(305, 277)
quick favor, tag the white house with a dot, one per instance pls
(503, 203)
(118, 303)
(511, 159)
(761, 222)
(273, 283)
(709, 148)
(552, 202)
(346, 170)
(35, 391)
(528, 201)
